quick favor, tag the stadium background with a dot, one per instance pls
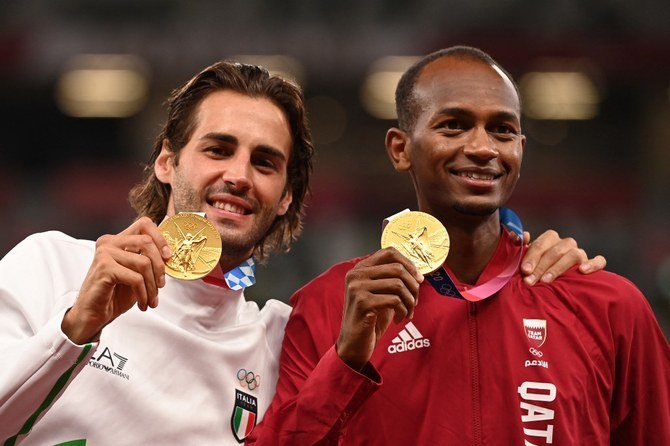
(595, 74)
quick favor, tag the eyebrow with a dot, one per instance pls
(231, 139)
(459, 111)
(271, 151)
(222, 137)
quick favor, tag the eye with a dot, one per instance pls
(264, 163)
(218, 151)
(503, 130)
(452, 124)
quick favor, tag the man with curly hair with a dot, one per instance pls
(100, 347)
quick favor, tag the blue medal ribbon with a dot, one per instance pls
(242, 276)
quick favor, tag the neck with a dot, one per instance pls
(473, 241)
(228, 261)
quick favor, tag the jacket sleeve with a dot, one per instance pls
(39, 361)
(316, 391)
(640, 411)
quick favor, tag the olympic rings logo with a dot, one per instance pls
(537, 353)
(446, 289)
(248, 379)
(437, 276)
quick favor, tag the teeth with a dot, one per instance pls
(229, 207)
(477, 176)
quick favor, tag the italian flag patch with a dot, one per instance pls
(244, 415)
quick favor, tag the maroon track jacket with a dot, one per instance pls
(579, 361)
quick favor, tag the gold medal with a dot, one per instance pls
(195, 244)
(420, 237)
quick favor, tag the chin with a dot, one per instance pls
(237, 246)
(477, 209)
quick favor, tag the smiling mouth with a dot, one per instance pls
(477, 175)
(229, 207)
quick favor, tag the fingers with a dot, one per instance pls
(390, 256)
(550, 256)
(382, 293)
(127, 269)
(138, 273)
(378, 289)
(387, 272)
(114, 267)
(592, 265)
(542, 254)
(144, 246)
(141, 248)
(149, 242)
(145, 226)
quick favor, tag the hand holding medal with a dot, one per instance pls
(384, 286)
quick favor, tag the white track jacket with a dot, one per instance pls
(200, 368)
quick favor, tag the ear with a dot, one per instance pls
(398, 149)
(164, 165)
(285, 201)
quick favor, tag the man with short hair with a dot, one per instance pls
(377, 353)
(83, 359)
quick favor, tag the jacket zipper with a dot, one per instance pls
(474, 363)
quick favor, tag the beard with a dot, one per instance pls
(236, 242)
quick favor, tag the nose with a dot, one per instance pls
(237, 172)
(480, 145)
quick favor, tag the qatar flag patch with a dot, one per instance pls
(536, 331)
(245, 414)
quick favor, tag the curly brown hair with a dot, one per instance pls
(150, 196)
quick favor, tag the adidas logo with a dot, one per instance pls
(409, 338)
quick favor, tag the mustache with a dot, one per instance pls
(227, 189)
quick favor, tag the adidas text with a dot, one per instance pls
(407, 346)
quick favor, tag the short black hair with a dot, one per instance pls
(407, 106)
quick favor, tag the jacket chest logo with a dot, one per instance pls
(245, 414)
(409, 338)
(109, 361)
(536, 331)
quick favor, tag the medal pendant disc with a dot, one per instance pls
(195, 244)
(420, 237)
